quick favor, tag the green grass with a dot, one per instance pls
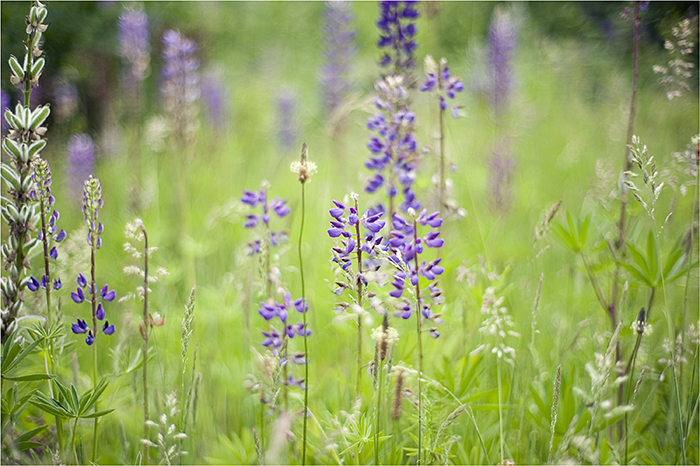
(569, 110)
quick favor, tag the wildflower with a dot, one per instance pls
(215, 99)
(180, 86)
(677, 74)
(287, 120)
(134, 41)
(304, 168)
(277, 206)
(439, 81)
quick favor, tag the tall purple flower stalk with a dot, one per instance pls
(215, 99)
(134, 42)
(180, 86)
(287, 119)
(502, 42)
(339, 54)
(81, 162)
(398, 30)
(393, 146)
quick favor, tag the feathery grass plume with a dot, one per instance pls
(168, 438)
(136, 233)
(542, 229)
(676, 75)
(640, 156)
(355, 278)
(22, 144)
(555, 411)
(451, 418)
(187, 324)
(81, 162)
(339, 53)
(684, 166)
(304, 169)
(441, 84)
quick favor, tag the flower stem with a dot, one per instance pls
(306, 347)
(420, 343)
(500, 413)
(441, 194)
(146, 334)
(93, 285)
(358, 284)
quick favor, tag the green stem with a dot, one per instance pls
(378, 412)
(306, 347)
(420, 344)
(358, 284)
(500, 413)
(72, 441)
(93, 245)
(146, 328)
(441, 196)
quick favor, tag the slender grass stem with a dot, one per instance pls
(306, 346)
(358, 284)
(441, 196)
(420, 344)
(378, 412)
(93, 284)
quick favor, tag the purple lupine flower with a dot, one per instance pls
(215, 99)
(277, 206)
(180, 86)
(41, 193)
(92, 202)
(500, 179)
(81, 162)
(287, 119)
(4, 104)
(406, 245)
(134, 42)
(439, 81)
(280, 310)
(398, 30)
(393, 146)
(502, 41)
(345, 226)
(339, 53)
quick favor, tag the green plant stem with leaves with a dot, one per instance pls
(306, 346)
(93, 284)
(358, 284)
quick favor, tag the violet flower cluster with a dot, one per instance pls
(347, 225)
(180, 85)
(339, 54)
(397, 33)
(439, 81)
(41, 193)
(92, 202)
(393, 145)
(81, 161)
(215, 100)
(406, 246)
(274, 338)
(278, 207)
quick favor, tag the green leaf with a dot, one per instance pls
(50, 406)
(24, 446)
(23, 354)
(636, 273)
(28, 378)
(29, 434)
(562, 235)
(583, 231)
(653, 257)
(641, 262)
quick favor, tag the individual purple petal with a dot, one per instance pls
(60, 236)
(108, 329)
(301, 305)
(80, 327)
(108, 295)
(57, 284)
(100, 312)
(53, 253)
(82, 281)
(90, 339)
(33, 284)
(78, 296)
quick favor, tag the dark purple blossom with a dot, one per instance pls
(81, 162)
(277, 206)
(396, 23)
(339, 54)
(280, 310)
